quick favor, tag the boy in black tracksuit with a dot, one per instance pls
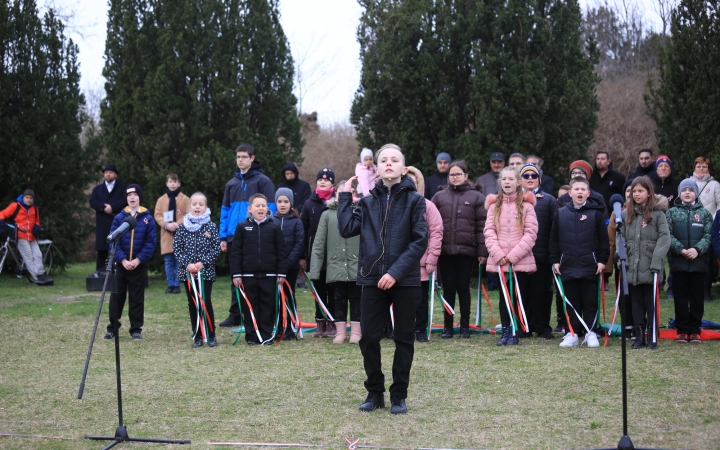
(257, 263)
(393, 238)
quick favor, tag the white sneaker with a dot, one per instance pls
(569, 340)
(591, 340)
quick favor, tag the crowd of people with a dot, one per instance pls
(373, 243)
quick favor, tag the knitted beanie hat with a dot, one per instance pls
(286, 192)
(530, 168)
(689, 183)
(327, 174)
(582, 165)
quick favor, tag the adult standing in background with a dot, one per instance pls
(604, 179)
(107, 199)
(709, 189)
(300, 188)
(645, 166)
(516, 161)
(489, 181)
(439, 178)
(664, 183)
(547, 184)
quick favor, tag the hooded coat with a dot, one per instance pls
(709, 189)
(258, 249)
(366, 178)
(139, 242)
(300, 188)
(393, 232)
(342, 253)
(690, 226)
(117, 199)
(26, 219)
(294, 236)
(435, 229)
(509, 239)
(463, 213)
(647, 243)
(237, 193)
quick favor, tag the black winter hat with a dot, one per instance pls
(327, 174)
(134, 188)
(110, 167)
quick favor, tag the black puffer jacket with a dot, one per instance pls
(292, 229)
(310, 217)
(667, 187)
(545, 210)
(258, 249)
(579, 240)
(393, 232)
(565, 200)
(463, 213)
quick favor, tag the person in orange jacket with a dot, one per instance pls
(26, 217)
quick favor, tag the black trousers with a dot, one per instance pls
(207, 297)
(234, 308)
(582, 294)
(324, 290)
(643, 304)
(344, 292)
(374, 306)
(421, 314)
(102, 256)
(261, 293)
(524, 286)
(538, 297)
(456, 270)
(130, 282)
(689, 301)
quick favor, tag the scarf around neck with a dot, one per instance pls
(193, 223)
(172, 206)
(324, 194)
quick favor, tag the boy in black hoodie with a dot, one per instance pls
(393, 238)
(257, 264)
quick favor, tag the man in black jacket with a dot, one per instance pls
(439, 178)
(300, 188)
(393, 238)
(604, 179)
(645, 165)
(539, 299)
(664, 182)
(107, 199)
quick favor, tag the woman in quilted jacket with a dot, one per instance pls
(648, 241)
(510, 233)
(463, 214)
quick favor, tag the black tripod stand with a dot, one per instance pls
(121, 434)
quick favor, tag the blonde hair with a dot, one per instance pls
(501, 195)
(388, 147)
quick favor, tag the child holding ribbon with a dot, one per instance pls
(196, 247)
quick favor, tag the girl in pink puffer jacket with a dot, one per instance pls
(510, 233)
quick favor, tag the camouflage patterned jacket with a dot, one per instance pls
(690, 227)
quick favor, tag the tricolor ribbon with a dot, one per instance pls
(431, 287)
(656, 313)
(478, 313)
(197, 292)
(241, 291)
(558, 281)
(295, 322)
(323, 308)
(448, 309)
(612, 324)
(508, 299)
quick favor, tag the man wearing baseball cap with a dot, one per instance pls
(489, 181)
(107, 199)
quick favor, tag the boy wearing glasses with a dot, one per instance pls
(247, 181)
(539, 298)
(582, 169)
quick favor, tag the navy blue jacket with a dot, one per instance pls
(235, 200)
(300, 188)
(579, 240)
(258, 250)
(393, 232)
(545, 210)
(117, 199)
(294, 235)
(138, 243)
(565, 200)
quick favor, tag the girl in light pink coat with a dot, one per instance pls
(366, 172)
(510, 233)
(429, 261)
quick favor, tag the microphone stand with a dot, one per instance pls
(121, 434)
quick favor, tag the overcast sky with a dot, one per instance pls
(321, 35)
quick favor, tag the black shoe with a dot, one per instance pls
(447, 333)
(639, 341)
(42, 280)
(230, 322)
(169, 289)
(212, 341)
(109, 335)
(514, 339)
(420, 336)
(175, 290)
(253, 343)
(136, 336)
(290, 336)
(504, 338)
(464, 333)
(197, 343)
(398, 406)
(547, 334)
(374, 400)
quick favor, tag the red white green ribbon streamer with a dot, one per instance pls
(612, 323)
(252, 313)
(656, 313)
(508, 300)
(291, 306)
(521, 307)
(202, 323)
(315, 294)
(431, 287)
(558, 281)
(448, 309)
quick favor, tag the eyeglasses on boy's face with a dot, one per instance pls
(529, 176)
(456, 175)
(578, 173)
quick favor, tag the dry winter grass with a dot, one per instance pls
(464, 394)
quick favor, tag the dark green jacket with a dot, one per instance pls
(690, 227)
(647, 243)
(342, 254)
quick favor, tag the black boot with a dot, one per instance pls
(650, 344)
(212, 341)
(504, 338)
(448, 330)
(464, 333)
(639, 341)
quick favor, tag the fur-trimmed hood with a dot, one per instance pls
(527, 197)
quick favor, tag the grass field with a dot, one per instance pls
(463, 394)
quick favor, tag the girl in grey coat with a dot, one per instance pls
(648, 241)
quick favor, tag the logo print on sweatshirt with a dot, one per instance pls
(146, 221)
(583, 217)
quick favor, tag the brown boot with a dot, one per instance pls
(330, 329)
(355, 332)
(341, 332)
(320, 329)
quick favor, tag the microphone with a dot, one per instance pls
(128, 224)
(617, 202)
